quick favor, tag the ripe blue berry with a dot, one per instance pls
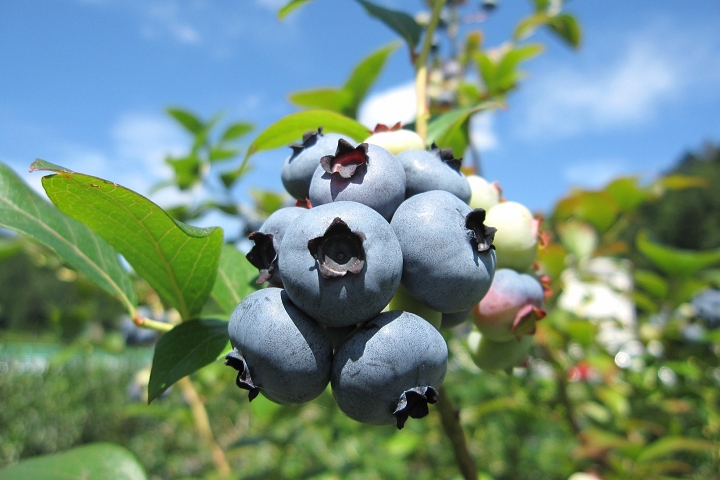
(448, 256)
(389, 369)
(340, 263)
(298, 169)
(277, 349)
(367, 174)
(434, 170)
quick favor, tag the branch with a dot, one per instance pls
(421, 119)
(202, 423)
(450, 419)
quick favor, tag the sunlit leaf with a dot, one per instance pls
(506, 73)
(187, 171)
(22, 210)
(626, 193)
(95, 460)
(235, 280)
(567, 28)
(333, 99)
(179, 261)
(291, 128)
(681, 182)
(449, 130)
(672, 444)
(365, 74)
(528, 25)
(487, 69)
(676, 261)
(578, 237)
(598, 208)
(184, 350)
(236, 130)
(220, 154)
(400, 22)
(291, 6)
(187, 119)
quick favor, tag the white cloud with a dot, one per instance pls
(595, 173)
(396, 104)
(649, 72)
(629, 92)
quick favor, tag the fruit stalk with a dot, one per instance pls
(152, 324)
(421, 119)
(202, 423)
(450, 419)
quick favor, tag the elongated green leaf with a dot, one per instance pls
(676, 261)
(333, 99)
(567, 28)
(236, 130)
(290, 129)
(652, 283)
(529, 24)
(365, 74)
(668, 445)
(487, 69)
(235, 280)
(186, 119)
(400, 22)
(96, 460)
(507, 73)
(626, 193)
(178, 261)
(23, 210)
(290, 7)
(450, 130)
(220, 154)
(184, 350)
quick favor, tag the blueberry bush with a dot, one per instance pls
(399, 316)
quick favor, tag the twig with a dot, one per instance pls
(421, 119)
(450, 419)
(152, 324)
(202, 423)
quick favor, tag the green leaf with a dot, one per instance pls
(507, 74)
(400, 22)
(177, 260)
(236, 130)
(95, 460)
(23, 210)
(567, 28)
(487, 69)
(676, 261)
(450, 130)
(668, 445)
(528, 25)
(626, 193)
(184, 350)
(290, 129)
(652, 283)
(9, 246)
(681, 182)
(291, 6)
(578, 237)
(187, 119)
(187, 171)
(333, 99)
(235, 280)
(365, 74)
(598, 208)
(220, 154)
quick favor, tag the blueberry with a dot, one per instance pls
(277, 349)
(263, 255)
(517, 237)
(298, 169)
(389, 369)
(450, 320)
(511, 307)
(448, 256)
(367, 174)
(490, 355)
(340, 263)
(707, 307)
(434, 170)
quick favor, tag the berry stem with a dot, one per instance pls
(202, 423)
(421, 119)
(450, 419)
(152, 324)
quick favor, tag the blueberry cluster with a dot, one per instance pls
(380, 225)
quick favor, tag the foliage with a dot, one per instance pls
(624, 392)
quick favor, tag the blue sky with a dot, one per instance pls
(84, 84)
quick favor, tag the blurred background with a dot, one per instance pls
(614, 143)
